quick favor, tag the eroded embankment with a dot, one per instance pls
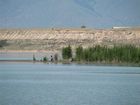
(55, 39)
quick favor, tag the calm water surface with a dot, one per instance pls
(43, 84)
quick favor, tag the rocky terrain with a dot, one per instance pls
(55, 39)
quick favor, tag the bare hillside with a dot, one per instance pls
(55, 39)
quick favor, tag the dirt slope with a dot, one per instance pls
(55, 39)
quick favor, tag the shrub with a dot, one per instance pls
(45, 59)
(125, 53)
(67, 52)
(34, 59)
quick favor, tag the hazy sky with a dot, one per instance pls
(69, 13)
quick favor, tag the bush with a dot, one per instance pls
(83, 26)
(79, 53)
(67, 52)
(3, 43)
(45, 59)
(34, 59)
(125, 53)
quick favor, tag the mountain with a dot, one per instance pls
(69, 13)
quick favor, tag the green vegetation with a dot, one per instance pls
(83, 26)
(79, 53)
(67, 52)
(124, 53)
(3, 43)
(34, 59)
(45, 59)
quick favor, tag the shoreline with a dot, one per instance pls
(20, 51)
(74, 62)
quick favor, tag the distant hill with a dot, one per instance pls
(69, 13)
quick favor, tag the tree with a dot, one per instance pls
(123, 53)
(67, 52)
(83, 26)
(3, 43)
(45, 59)
(79, 53)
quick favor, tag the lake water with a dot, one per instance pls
(20, 55)
(49, 84)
